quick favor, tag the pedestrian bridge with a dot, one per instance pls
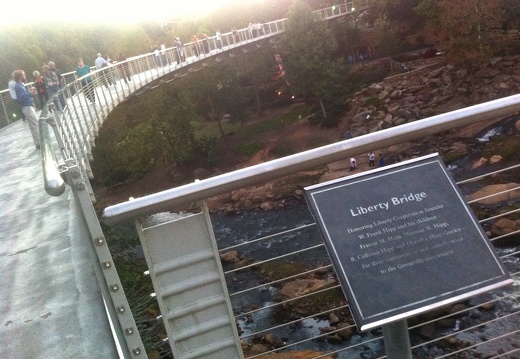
(61, 295)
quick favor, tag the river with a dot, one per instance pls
(247, 226)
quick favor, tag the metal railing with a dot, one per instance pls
(448, 334)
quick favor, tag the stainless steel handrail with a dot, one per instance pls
(53, 182)
(165, 200)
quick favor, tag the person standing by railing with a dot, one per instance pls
(88, 86)
(11, 86)
(100, 62)
(219, 39)
(180, 49)
(52, 84)
(123, 68)
(24, 98)
(61, 82)
(195, 45)
(234, 34)
(39, 83)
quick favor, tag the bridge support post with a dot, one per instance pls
(119, 313)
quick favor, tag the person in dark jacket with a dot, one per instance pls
(39, 84)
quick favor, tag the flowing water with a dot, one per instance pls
(247, 226)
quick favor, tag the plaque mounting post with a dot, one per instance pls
(397, 340)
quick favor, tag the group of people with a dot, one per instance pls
(371, 161)
(47, 85)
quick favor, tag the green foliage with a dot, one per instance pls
(133, 140)
(374, 101)
(309, 48)
(248, 149)
(28, 47)
(390, 42)
(172, 119)
(206, 147)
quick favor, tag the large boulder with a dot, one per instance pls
(496, 188)
(300, 287)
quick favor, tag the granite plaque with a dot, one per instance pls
(403, 241)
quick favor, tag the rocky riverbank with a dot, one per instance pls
(425, 91)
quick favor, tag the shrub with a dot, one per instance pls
(248, 149)
(373, 101)
(206, 147)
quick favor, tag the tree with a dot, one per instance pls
(467, 28)
(401, 20)
(257, 67)
(309, 48)
(173, 122)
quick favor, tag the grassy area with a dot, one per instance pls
(211, 129)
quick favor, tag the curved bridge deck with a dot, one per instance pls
(50, 301)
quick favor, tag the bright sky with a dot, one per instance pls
(107, 11)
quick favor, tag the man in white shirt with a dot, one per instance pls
(100, 62)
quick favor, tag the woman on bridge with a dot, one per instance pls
(86, 82)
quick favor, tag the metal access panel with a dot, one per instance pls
(189, 282)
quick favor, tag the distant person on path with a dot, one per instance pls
(371, 159)
(348, 135)
(381, 160)
(24, 98)
(205, 43)
(219, 39)
(156, 56)
(180, 49)
(164, 59)
(39, 83)
(88, 86)
(110, 76)
(195, 45)
(234, 34)
(353, 164)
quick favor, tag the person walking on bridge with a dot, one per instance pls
(24, 98)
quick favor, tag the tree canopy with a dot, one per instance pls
(309, 48)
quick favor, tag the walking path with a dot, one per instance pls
(50, 302)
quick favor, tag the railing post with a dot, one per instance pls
(5, 111)
(120, 315)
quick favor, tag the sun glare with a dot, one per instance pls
(112, 11)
